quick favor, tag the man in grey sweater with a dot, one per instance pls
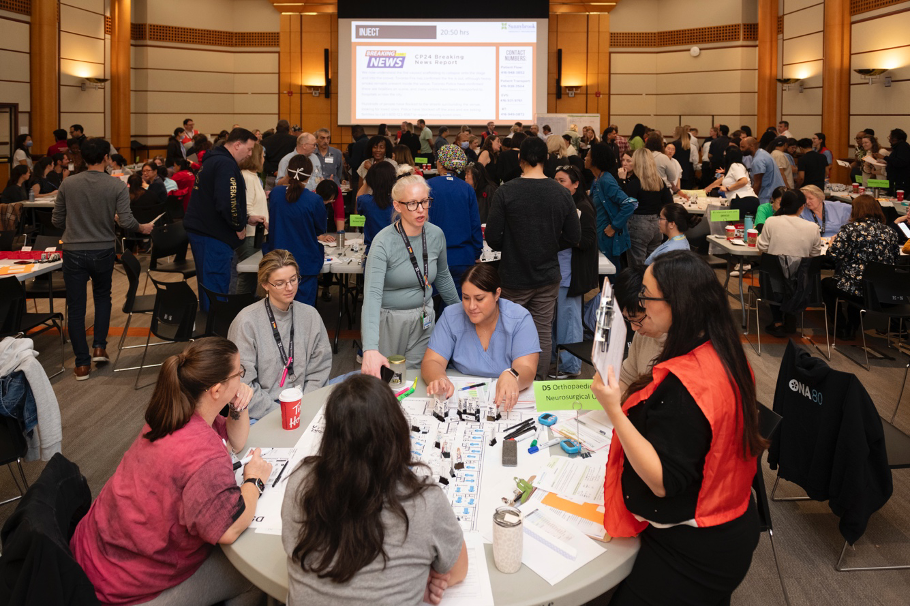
(86, 206)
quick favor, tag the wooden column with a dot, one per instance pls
(121, 117)
(45, 108)
(767, 65)
(836, 89)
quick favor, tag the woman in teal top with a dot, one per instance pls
(769, 208)
(673, 223)
(406, 260)
(612, 205)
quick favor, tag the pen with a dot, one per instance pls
(518, 432)
(472, 386)
(285, 373)
(525, 422)
(524, 436)
(280, 473)
(243, 461)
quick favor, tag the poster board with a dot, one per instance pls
(559, 123)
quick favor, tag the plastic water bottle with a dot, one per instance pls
(749, 224)
(31, 195)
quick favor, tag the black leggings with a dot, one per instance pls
(683, 565)
(830, 294)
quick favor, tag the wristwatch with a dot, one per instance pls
(513, 371)
(257, 483)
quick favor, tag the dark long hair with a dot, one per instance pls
(639, 131)
(732, 155)
(16, 173)
(790, 202)
(381, 178)
(602, 158)
(134, 182)
(481, 180)
(361, 469)
(38, 170)
(20, 144)
(182, 381)
(700, 309)
(580, 196)
(297, 180)
(488, 147)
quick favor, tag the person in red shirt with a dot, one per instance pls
(60, 146)
(185, 178)
(152, 530)
(188, 132)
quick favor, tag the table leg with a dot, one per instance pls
(342, 296)
(742, 298)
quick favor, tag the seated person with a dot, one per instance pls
(829, 215)
(357, 524)
(647, 343)
(300, 334)
(330, 193)
(768, 208)
(149, 535)
(673, 223)
(144, 204)
(485, 336)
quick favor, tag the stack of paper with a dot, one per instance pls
(572, 489)
(593, 430)
(552, 547)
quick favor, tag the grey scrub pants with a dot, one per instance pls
(401, 333)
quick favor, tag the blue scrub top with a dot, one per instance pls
(377, 218)
(294, 226)
(456, 340)
(455, 211)
(763, 164)
(671, 244)
(836, 215)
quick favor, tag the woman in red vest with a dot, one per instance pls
(685, 444)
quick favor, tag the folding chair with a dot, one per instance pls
(48, 286)
(171, 240)
(133, 303)
(223, 309)
(15, 321)
(12, 448)
(768, 421)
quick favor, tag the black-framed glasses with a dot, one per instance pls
(636, 323)
(240, 374)
(643, 297)
(412, 205)
(285, 283)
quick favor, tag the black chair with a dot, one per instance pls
(768, 421)
(223, 309)
(46, 227)
(6, 239)
(138, 304)
(886, 293)
(171, 240)
(48, 286)
(16, 322)
(175, 319)
(12, 448)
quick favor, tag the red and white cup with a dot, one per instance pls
(856, 188)
(900, 195)
(731, 232)
(290, 399)
(861, 189)
(753, 237)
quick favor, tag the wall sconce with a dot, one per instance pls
(788, 82)
(314, 90)
(872, 74)
(571, 90)
(93, 83)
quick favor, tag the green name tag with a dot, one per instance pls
(562, 395)
(725, 215)
(358, 220)
(877, 183)
(420, 160)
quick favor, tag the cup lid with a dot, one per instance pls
(290, 394)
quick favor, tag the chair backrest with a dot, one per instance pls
(42, 243)
(145, 214)
(175, 307)
(174, 207)
(223, 309)
(886, 287)
(6, 239)
(46, 223)
(768, 421)
(133, 270)
(169, 240)
(12, 305)
(771, 279)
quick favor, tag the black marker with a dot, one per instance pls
(280, 473)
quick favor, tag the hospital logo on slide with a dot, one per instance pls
(377, 58)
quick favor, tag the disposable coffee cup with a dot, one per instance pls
(753, 237)
(900, 195)
(856, 188)
(862, 189)
(290, 407)
(731, 232)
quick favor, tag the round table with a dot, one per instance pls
(262, 560)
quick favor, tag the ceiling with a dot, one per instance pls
(331, 6)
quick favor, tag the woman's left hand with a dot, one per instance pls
(436, 587)
(609, 231)
(326, 238)
(608, 394)
(242, 399)
(506, 391)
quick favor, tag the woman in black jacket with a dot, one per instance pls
(15, 188)
(175, 149)
(477, 177)
(646, 186)
(578, 267)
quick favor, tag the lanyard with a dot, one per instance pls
(824, 218)
(423, 280)
(277, 335)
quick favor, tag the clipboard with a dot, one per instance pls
(609, 334)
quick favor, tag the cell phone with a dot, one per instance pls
(904, 229)
(386, 373)
(510, 453)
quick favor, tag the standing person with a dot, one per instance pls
(189, 132)
(652, 194)
(637, 138)
(735, 183)
(533, 209)
(718, 146)
(898, 161)
(257, 210)
(441, 139)
(23, 148)
(811, 166)
(819, 144)
(306, 146)
(621, 142)
(277, 146)
(610, 140)
(216, 217)
(405, 259)
(426, 140)
(685, 441)
(578, 268)
(778, 150)
(489, 157)
(409, 139)
(330, 159)
(176, 149)
(612, 205)
(666, 168)
(783, 129)
(476, 177)
(77, 135)
(766, 176)
(687, 156)
(455, 212)
(358, 524)
(151, 536)
(508, 165)
(491, 130)
(84, 209)
(297, 223)
(59, 145)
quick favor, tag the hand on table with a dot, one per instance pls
(506, 391)
(241, 401)
(441, 386)
(608, 394)
(372, 362)
(326, 238)
(257, 467)
(436, 586)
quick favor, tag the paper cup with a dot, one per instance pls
(290, 407)
(856, 188)
(731, 232)
(900, 195)
(753, 237)
(862, 189)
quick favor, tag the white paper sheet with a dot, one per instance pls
(593, 432)
(475, 590)
(843, 163)
(553, 548)
(587, 527)
(610, 352)
(578, 480)
(268, 508)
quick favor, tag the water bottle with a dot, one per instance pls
(749, 224)
(31, 195)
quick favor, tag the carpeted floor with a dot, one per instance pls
(102, 417)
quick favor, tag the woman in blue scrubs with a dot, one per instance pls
(487, 336)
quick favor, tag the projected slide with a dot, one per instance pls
(469, 72)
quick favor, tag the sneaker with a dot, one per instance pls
(359, 356)
(326, 295)
(99, 356)
(82, 372)
(735, 273)
(563, 375)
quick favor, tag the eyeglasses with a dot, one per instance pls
(285, 283)
(661, 218)
(643, 297)
(636, 323)
(412, 206)
(236, 374)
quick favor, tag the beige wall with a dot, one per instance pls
(801, 57)
(84, 53)
(14, 65)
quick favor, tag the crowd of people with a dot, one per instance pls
(357, 517)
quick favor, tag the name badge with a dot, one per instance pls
(425, 319)
(329, 160)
